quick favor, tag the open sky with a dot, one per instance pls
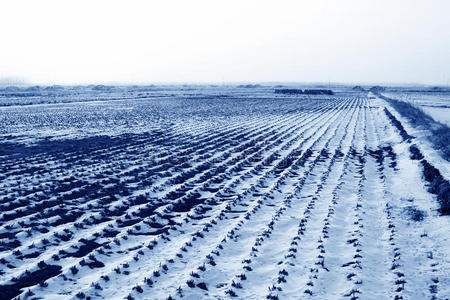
(103, 41)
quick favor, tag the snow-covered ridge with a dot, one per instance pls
(422, 142)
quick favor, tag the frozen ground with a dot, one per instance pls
(435, 104)
(214, 193)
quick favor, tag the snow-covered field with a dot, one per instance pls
(435, 104)
(213, 193)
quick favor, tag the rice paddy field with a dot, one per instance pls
(217, 192)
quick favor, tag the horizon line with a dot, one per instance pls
(23, 83)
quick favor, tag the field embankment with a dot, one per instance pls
(439, 133)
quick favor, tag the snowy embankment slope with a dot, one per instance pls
(433, 227)
(435, 104)
(421, 138)
(294, 197)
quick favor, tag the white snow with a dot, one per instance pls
(295, 197)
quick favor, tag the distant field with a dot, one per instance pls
(436, 104)
(212, 192)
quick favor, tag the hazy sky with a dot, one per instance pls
(48, 42)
